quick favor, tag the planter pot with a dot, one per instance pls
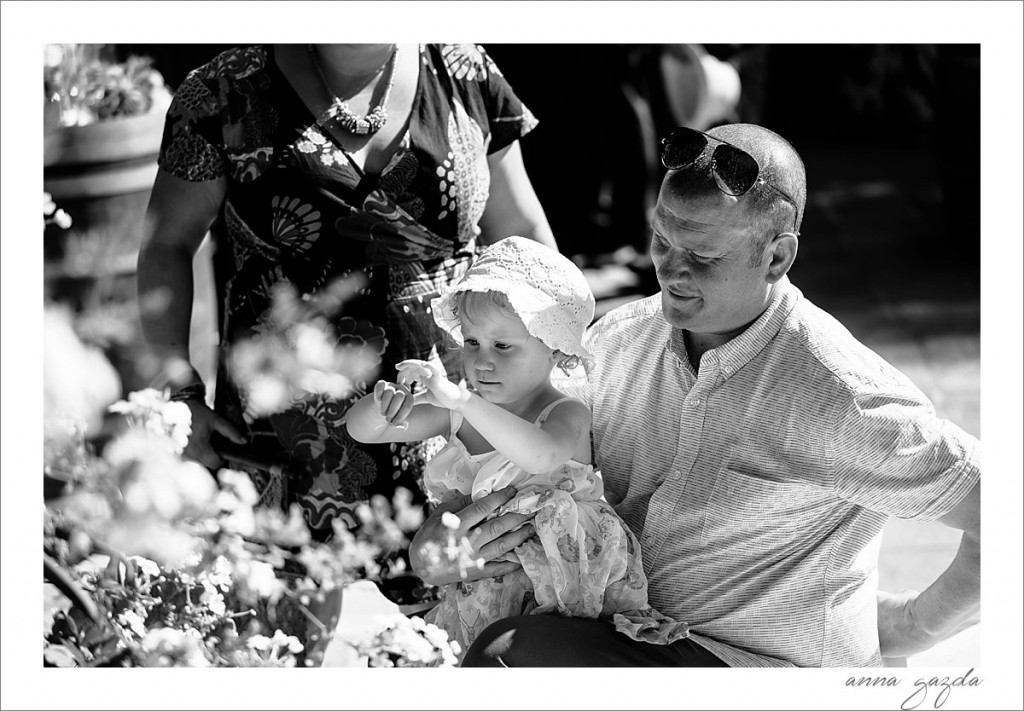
(101, 174)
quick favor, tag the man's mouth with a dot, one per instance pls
(674, 291)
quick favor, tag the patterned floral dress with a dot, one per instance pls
(583, 562)
(300, 211)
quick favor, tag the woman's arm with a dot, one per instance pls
(177, 219)
(391, 414)
(512, 206)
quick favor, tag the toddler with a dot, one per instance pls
(520, 311)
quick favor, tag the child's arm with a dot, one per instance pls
(392, 414)
(534, 449)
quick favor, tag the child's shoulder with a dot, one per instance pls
(563, 403)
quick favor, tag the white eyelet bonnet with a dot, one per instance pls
(547, 291)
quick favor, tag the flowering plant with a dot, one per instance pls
(151, 561)
(88, 87)
(160, 565)
(53, 215)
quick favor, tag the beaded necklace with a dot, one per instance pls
(340, 112)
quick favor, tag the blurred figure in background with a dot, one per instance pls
(384, 166)
(606, 122)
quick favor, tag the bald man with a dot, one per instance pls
(753, 445)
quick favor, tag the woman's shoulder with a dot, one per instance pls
(462, 62)
(232, 66)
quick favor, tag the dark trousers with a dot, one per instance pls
(553, 641)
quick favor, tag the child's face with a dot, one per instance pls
(503, 362)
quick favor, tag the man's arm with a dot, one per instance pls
(911, 622)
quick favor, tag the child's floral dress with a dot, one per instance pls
(583, 561)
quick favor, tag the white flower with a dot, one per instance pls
(262, 580)
(450, 520)
(212, 598)
(148, 536)
(166, 647)
(77, 379)
(62, 219)
(158, 415)
(259, 642)
(194, 483)
(133, 621)
(267, 394)
(312, 346)
(145, 566)
(217, 574)
(292, 644)
(239, 484)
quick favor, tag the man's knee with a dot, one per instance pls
(509, 642)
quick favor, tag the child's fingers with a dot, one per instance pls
(398, 398)
(403, 411)
(414, 371)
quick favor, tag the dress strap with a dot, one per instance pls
(547, 410)
(454, 423)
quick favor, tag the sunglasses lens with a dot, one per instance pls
(681, 148)
(736, 171)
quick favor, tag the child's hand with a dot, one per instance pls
(440, 390)
(395, 401)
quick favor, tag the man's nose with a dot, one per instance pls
(672, 267)
(681, 262)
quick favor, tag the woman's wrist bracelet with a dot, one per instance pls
(195, 391)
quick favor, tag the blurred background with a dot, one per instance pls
(890, 243)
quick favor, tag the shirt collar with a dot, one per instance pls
(734, 354)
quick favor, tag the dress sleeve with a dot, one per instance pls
(192, 146)
(490, 97)
(896, 456)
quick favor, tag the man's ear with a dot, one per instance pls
(782, 251)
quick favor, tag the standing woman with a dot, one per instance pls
(392, 164)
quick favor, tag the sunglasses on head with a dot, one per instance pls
(735, 170)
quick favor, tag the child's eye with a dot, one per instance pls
(502, 346)
(472, 342)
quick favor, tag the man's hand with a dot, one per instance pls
(911, 622)
(898, 633)
(490, 539)
(900, 629)
(204, 423)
